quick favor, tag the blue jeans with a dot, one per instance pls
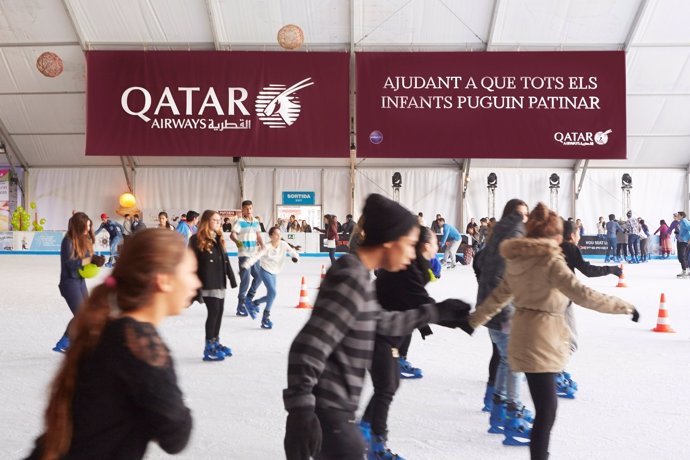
(634, 245)
(269, 280)
(244, 282)
(113, 247)
(612, 246)
(507, 383)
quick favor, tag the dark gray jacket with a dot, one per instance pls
(490, 265)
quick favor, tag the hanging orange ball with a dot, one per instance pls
(49, 64)
(290, 37)
(127, 200)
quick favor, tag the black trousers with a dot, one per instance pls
(681, 247)
(385, 375)
(624, 247)
(74, 292)
(215, 307)
(493, 364)
(542, 387)
(405, 345)
(342, 439)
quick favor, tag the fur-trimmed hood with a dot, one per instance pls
(523, 254)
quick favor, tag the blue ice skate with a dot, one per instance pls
(488, 398)
(241, 311)
(563, 387)
(227, 351)
(212, 353)
(252, 309)
(407, 371)
(365, 429)
(378, 450)
(62, 345)
(517, 430)
(569, 378)
(266, 323)
(497, 419)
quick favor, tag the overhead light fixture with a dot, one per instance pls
(397, 180)
(554, 181)
(626, 181)
(492, 180)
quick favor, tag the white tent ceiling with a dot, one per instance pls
(42, 120)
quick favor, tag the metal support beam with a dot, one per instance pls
(353, 113)
(686, 198)
(240, 177)
(214, 28)
(641, 10)
(75, 24)
(130, 173)
(492, 28)
(577, 189)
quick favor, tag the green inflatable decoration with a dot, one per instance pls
(89, 271)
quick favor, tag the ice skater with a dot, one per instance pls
(538, 282)
(116, 389)
(566, 387)
(76, 251)
(396, 291)
(214, 271)
(330, 355)
(246, 233)
(270, 263)
(450, 241)
(508, 415)
(115, 231)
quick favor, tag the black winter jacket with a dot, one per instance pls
(214, 267)
(573, 257)
(490, 265)
(403, 290)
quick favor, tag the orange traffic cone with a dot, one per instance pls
(621, 279)
(303, 296)
(323, 272)
(662, 324)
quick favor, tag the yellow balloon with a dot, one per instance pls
(127, 200)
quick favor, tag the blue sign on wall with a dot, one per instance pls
(299, 198)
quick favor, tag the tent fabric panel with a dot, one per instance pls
(422, 22)
(59, 191)
(35, 21)
(592, 22)
(18, 72)
(43, 113)
(258, 21)
(141, 22)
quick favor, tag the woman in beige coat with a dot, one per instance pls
(539, 283)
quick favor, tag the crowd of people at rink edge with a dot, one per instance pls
(116, 389)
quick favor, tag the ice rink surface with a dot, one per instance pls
(632, 403)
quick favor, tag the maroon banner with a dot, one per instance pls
(179, 103)
(491, 105)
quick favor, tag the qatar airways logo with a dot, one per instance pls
(188, 107)
(582, 138)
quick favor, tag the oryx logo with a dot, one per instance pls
(278, 106)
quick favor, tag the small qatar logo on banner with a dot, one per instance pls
(582, 138)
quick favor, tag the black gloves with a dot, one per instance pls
(302, 435)
(295, 259)
(425, 331)
(614, 270)
(635, 315)
(465, 326)
(97, 260)
(453, 313)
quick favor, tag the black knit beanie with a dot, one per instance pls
(384, 221)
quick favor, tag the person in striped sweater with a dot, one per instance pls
(329, 357)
